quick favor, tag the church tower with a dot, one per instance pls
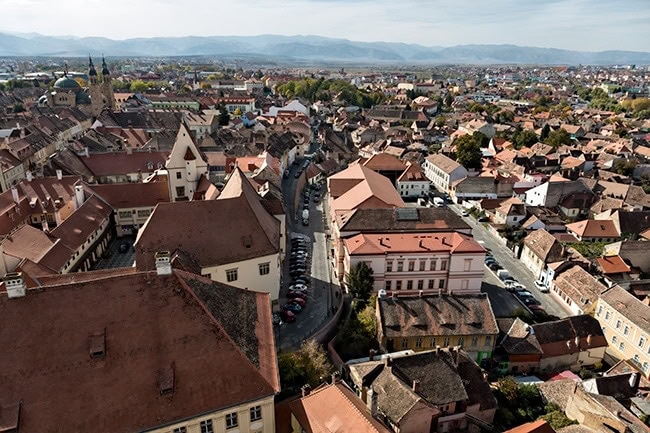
(107, 86)
(94, 88)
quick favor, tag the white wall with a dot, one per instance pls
(248, 275)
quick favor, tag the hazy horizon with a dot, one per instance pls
(581, 25)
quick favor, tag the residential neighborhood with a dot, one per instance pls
(192, 246)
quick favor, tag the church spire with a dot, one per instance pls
(91, 67)
(105, 70)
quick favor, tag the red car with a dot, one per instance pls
(296, 295)
(299, 301)
(287, 316)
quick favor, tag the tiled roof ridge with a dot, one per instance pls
(180, 275)
(356, 409)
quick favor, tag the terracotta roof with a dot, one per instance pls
(520, 339)
(141, 322)
(436, 315)
(543, 245)
(253, 233)
(539, 426)
(558, 337)
(580, 286)
(594, 229)
(28, 242)
(334, 408)
(400, 220)
(384, 162)
(612, 265)
(444, 163)
(374, 190)
(400, 243)
(107, 164)
(78, 227)
(130, 195)
(629, 306)
(413, 173)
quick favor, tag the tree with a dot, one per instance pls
(18, 108)
(237, 112)
(525, 138)
(555, 417)
(625, 167)
(138, 86)
(557, 138)
(307, 366)
(468, 150)
(368, 319)
(224, 117)
(545, 131)
(360, 281)
(448, 100)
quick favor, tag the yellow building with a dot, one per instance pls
(423, 323)
(624, 320)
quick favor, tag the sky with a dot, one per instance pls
(587, 25)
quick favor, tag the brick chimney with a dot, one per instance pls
(306, 389)
(416, 385)
(163, 263)
(15, 285)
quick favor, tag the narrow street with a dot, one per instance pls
(321, 293)
(505, 257)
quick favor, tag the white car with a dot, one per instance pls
(464, 213)
(541, 287)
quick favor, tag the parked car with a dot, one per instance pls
(541, 287)
(489, 260)
(535, 308)
(293, 307)
(521, 294)
(299, 301)
(296, 273)
(288, 316)
(302, 280)
(483, 219)
(296, 294)
(124, 247)
(298, 287)
(277, 319)
(464, 213)
(531, 301)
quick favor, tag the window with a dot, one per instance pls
(206, 426)
(645, 367)
(256, 413)
(179, 430)
(431, 283)
(626, 331)
(420, 284)
(124, 214)
(265, 268)
(600, 310)
(400, 266)
(411, 265)
(388, 285)
(468, 264)
(641, 342)
(409, 285)
(231, 275)
(607, 315)
(464, 284)
(418, 342)
(488, 340)
(389, 266)
(441, 284)
(423, 265)
(178, 175)
(180, 191)
(443, 265)
(621, 346)
(636, 359)
(445, 342)
(461, 341)
(405, 343)
(398, 285)
(618, 324)
(433, 265)
(144, 213)
(231, 420)
(474, 341)
(614, 339)
(433, 342)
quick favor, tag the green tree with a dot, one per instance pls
(18, 108)
(468, 150)
(557, 138)
(555, 417)
(138, 86)
(546, 130)
(360, 282)
(308, 365)
(524, 138)
(224, 117)
(368, 319)
(625, 167)
(448, 100)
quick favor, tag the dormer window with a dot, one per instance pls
(166, 380)
(97, 343)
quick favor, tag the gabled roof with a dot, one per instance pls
(539, 426)
(580, 286)
(373, 185)
(402, 243)
(612, 265)
(384, 162)
(629, 306)
(541, 243)
(158, 346)
(130, 195)
(444, 163)
(400, 220)
(334, 408)
(594, 229)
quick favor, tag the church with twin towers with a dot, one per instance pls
(99, 88)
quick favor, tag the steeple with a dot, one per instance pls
(91, 68)
(105, 70)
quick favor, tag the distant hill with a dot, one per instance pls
(308, 48)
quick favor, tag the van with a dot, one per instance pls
(503, 274)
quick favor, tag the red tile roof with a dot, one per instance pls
(150, 324)
(130, 195)
(613, 265)
(539, 426)
(107, 164)
(594, 229)
(381, 243)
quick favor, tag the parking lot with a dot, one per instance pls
(116, 257)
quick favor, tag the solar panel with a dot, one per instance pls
(407, 214)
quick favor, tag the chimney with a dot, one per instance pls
(306, 389)
(444, 240)
(14, 194)
(29, 176)
(59, 174)
(634, 380)
(163, 263)
(589, 340)
(455, 353)
(437, 350)
(86, 152)
(79, 195)
(373, 404)
(388, 361)
(420, 293)
(335, 377)
(371, 355)
(416, 385)
(15, 285)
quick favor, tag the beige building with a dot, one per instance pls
(443, 171)
(413, 263)
(193, 355)
(232, 239)
(624, 320)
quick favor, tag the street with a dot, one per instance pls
(505, 257)
(321, 294)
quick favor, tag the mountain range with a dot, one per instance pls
(314, 49)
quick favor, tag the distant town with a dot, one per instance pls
(195, 245)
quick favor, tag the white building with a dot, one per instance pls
(443, 171)
(185, 166)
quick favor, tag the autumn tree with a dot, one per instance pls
(360, 282)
